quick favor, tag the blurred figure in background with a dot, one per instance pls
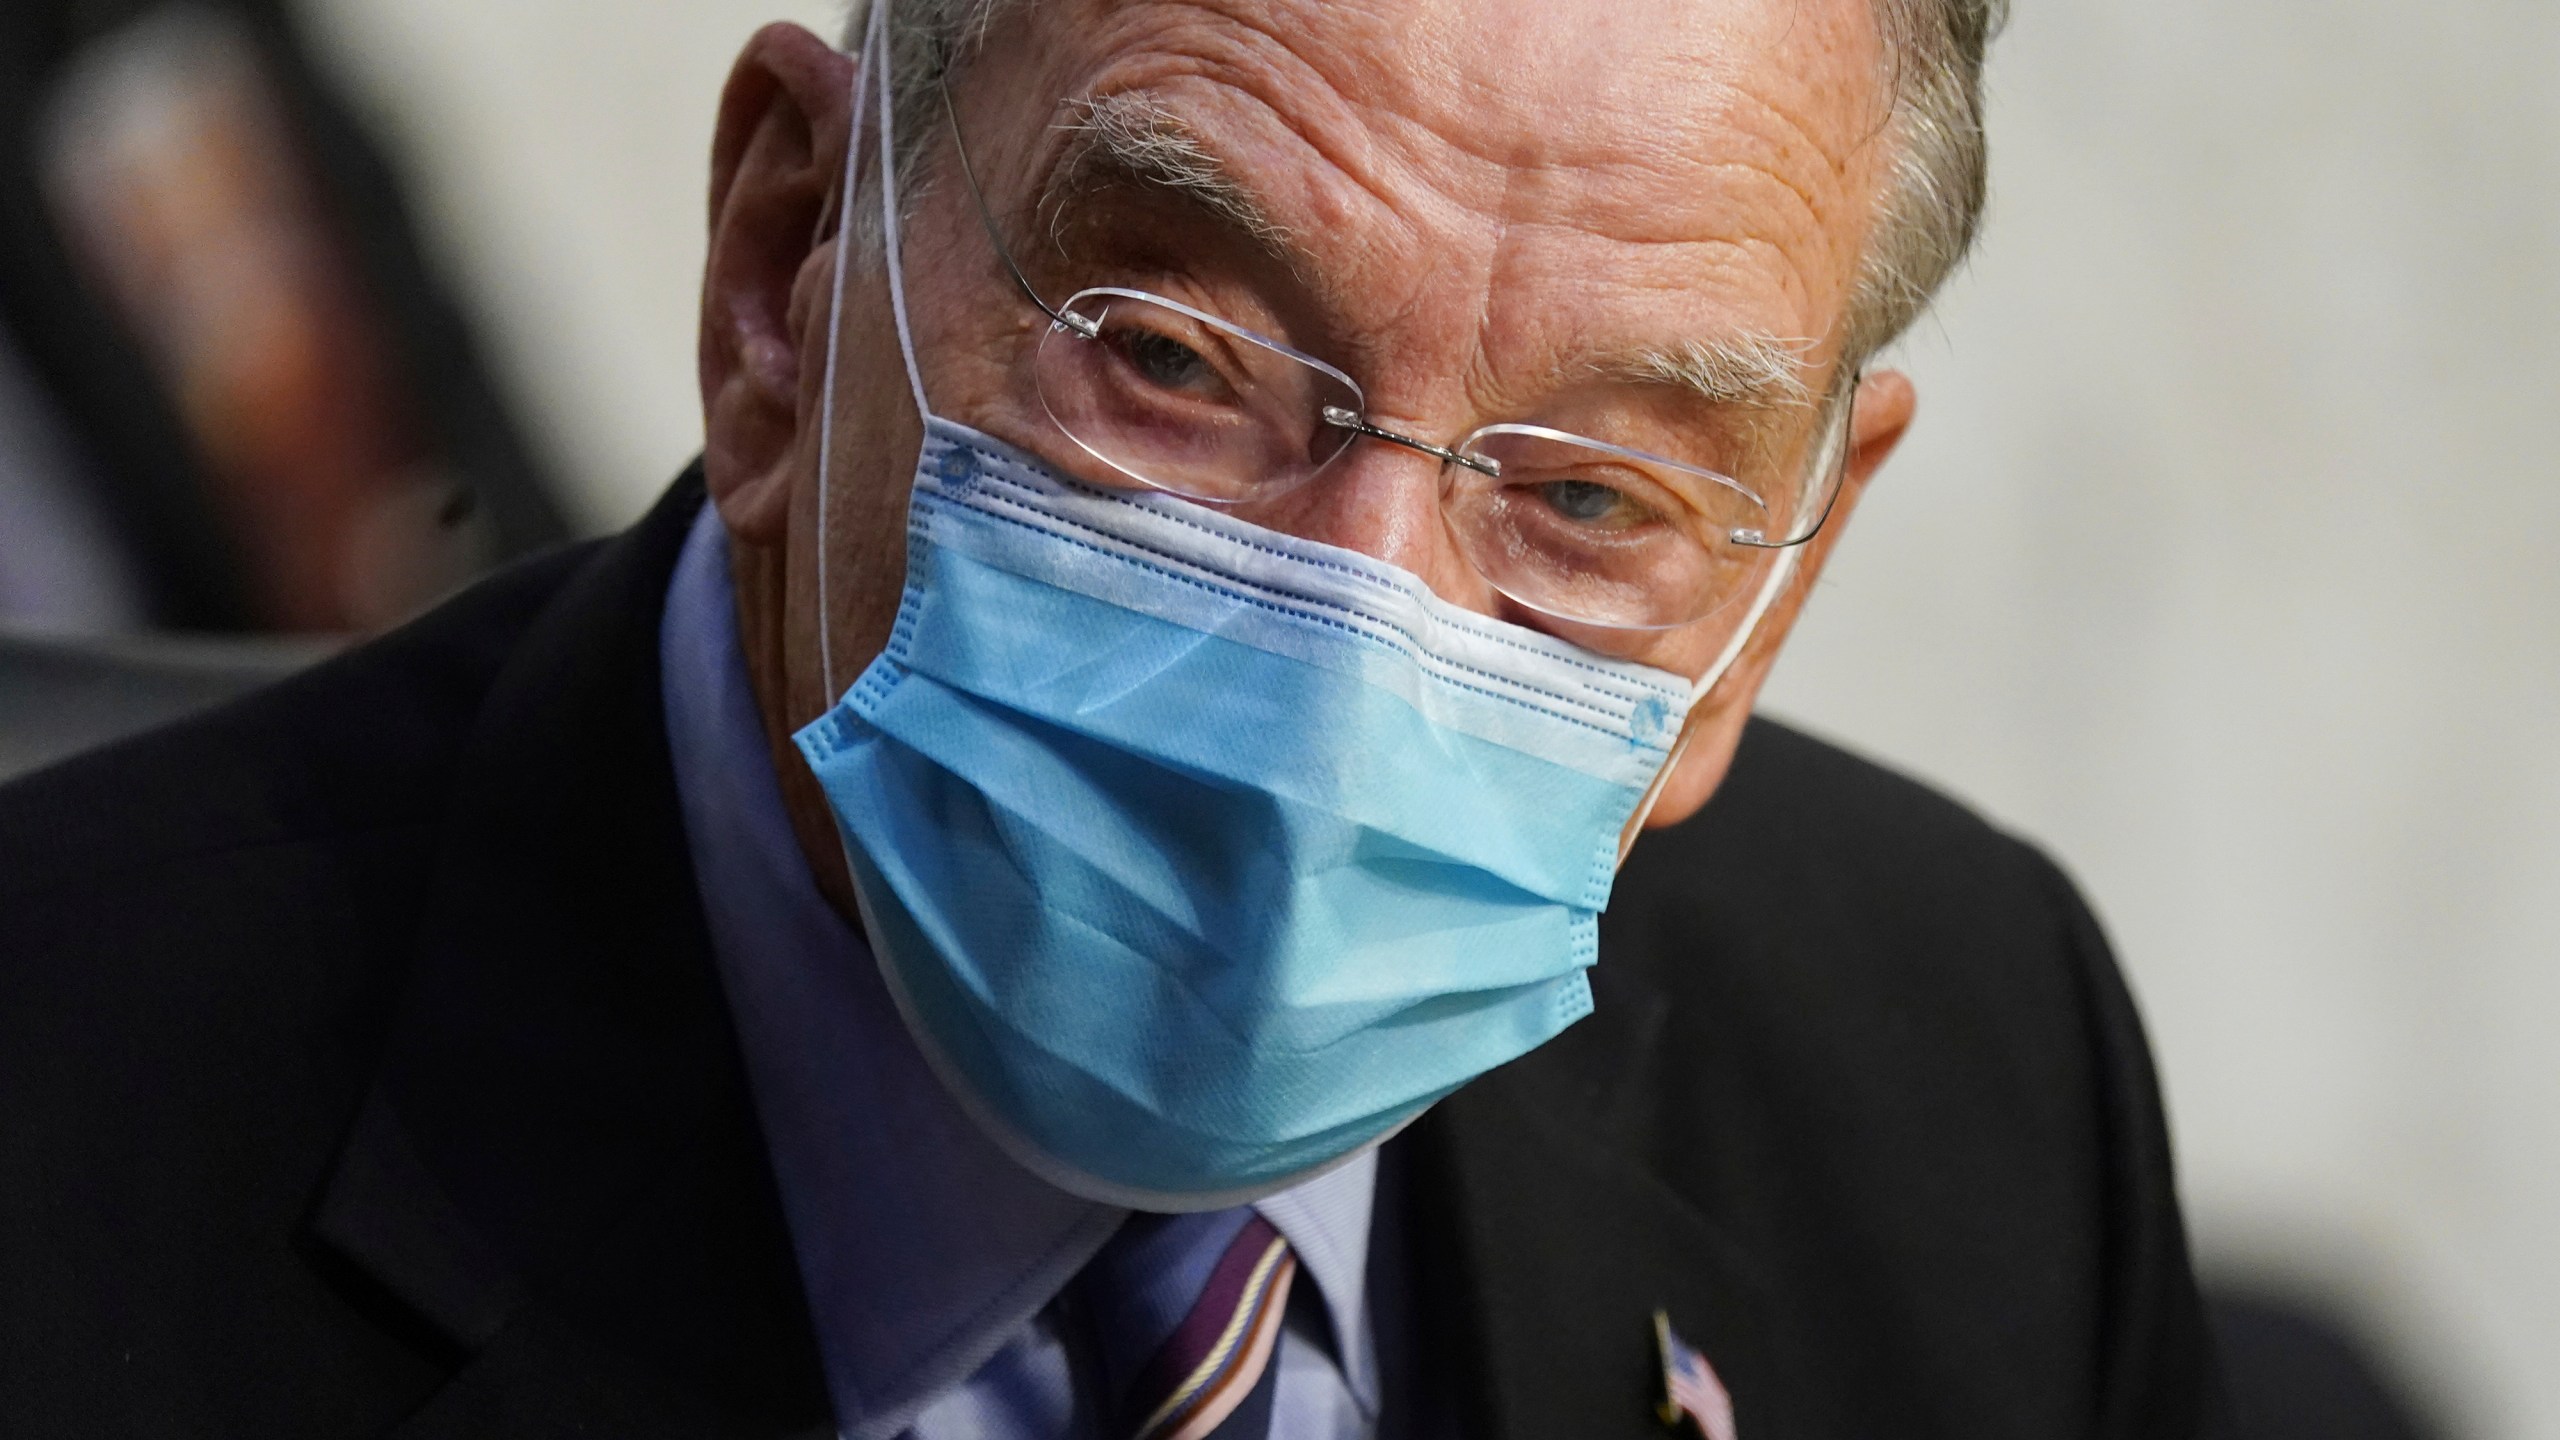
(231, 395)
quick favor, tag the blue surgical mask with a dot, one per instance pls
(1199, 857)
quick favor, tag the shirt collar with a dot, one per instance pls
(1327, 1222)
(923, 1247)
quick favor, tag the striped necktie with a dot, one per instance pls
(1187, 1311)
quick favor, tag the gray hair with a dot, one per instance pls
(1930, 211)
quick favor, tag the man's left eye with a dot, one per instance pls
(1586, 502)
(1168, 362)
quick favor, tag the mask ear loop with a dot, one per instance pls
(1835, 453)
(1770, 590)
(871, 45)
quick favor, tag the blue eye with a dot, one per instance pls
(1583, 502)
(1164, 361)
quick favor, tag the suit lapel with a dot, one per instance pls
(558, 1169)
(1546, 1248)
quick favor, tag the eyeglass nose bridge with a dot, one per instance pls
(1342, 419)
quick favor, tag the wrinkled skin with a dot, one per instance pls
(1482, 200)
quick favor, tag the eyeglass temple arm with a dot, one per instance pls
(1754, 540)
(1080, 324)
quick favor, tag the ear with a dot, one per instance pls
(1886, 403)
(776, 161)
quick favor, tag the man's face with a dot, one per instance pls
(1483, 210)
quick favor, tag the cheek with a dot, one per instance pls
(1716, 735)
(991, 386)
(1689, 650)
(966, 320)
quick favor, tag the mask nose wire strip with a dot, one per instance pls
(835, 343)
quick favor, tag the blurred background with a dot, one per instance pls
(309, 311)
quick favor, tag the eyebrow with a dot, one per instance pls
(1136, 140)
(1748, 370)
(1132, 138)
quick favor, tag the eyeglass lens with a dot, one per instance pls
(1179, 400)
(1187, 403)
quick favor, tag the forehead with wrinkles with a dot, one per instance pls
(1677, 165)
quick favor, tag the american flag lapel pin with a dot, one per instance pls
(1689, 1385)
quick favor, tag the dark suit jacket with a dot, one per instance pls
(363, 1071)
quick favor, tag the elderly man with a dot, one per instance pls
(1054, 886)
